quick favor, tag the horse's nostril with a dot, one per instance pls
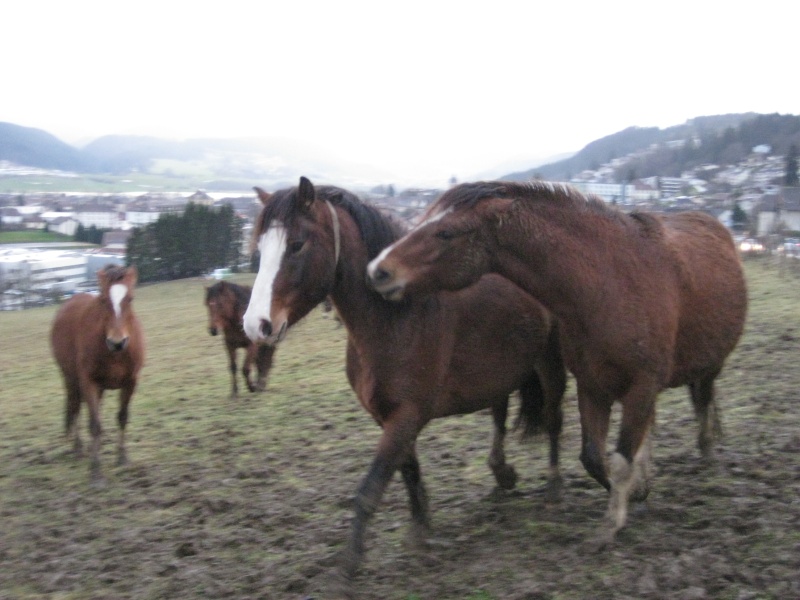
(379, 275)
(266, 328)
(212, 330)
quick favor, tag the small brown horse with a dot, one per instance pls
(644, 302)
(408, 363)
(97, 342)
(226, 303)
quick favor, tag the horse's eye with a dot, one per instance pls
(445, 234)
(295, 247)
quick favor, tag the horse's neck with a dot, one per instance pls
(562, 267)
(361, 309)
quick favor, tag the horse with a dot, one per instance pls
(409, 363)
(98, 344)
(226, 303)
(644, 302)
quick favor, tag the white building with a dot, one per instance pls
(41, 270)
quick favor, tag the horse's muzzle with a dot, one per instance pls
(117, 345)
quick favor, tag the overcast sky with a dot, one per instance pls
(416, 87)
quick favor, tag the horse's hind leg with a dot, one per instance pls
(705, 409)
(125, 395)
(504, 474)
(73, 409)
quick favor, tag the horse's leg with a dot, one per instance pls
(94, 395)
(396, 442)
(504, 474)
(553, 380)
(705, 409)
(125, 395)
(418, 499)
(264, 364)
(249, 357)
(638, 413)
(73, 409)
(595, 414)
(232, 368)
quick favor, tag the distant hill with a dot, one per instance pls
(36, 148)
(723, 139)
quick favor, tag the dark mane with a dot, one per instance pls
(242, 293)
(377, 229)
(114, 272)
(468, 195)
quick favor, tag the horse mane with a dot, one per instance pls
(242, 293)
(467, 195)
(114, 273)
(378, 230)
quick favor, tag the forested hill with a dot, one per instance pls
(724, 139)
(36, 148)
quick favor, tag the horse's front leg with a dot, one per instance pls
(73, 409)
(94, 396)
(628, 463)
(125, 395)
(264, 357)
(504, 474)
(418, 499)
(232, 368)
(249, 358)
(395, 448)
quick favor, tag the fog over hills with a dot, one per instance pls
(240, 163)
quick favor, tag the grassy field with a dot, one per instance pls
(251, 498)
(33, 237)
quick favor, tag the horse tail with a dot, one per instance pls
(540, 410)
(531, 416)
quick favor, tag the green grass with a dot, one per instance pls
(28, 236)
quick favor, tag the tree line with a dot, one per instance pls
(187, 245)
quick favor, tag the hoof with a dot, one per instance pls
(506, 477)
(553, 491)
(97, 480)
(601, 541)
(122, 460)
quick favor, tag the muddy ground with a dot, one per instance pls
(251, 498)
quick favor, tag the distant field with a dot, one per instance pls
(252, 498)
(33, 237)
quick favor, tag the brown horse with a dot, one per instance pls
(408, 363)
(97, 342)
(644, 302)
(226, 303)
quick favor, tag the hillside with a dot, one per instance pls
(723, 139)
(36, 148)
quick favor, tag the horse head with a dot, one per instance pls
(116, 293)
(298, 237)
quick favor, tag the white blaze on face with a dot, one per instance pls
(117, 293)
(272, 246)
(375, 262)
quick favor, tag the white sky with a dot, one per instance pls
(425, 87)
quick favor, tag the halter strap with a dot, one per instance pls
(336, 235)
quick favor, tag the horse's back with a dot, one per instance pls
(712, 292)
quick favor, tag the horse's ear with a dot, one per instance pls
(305, 194)
(132, 276)
(262, 195)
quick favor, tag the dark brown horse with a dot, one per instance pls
(97, 342)
(644, 302)
(226, 303)
(408, 363)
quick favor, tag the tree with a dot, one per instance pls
(791, 178)
(187, 245)
(739, 218)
